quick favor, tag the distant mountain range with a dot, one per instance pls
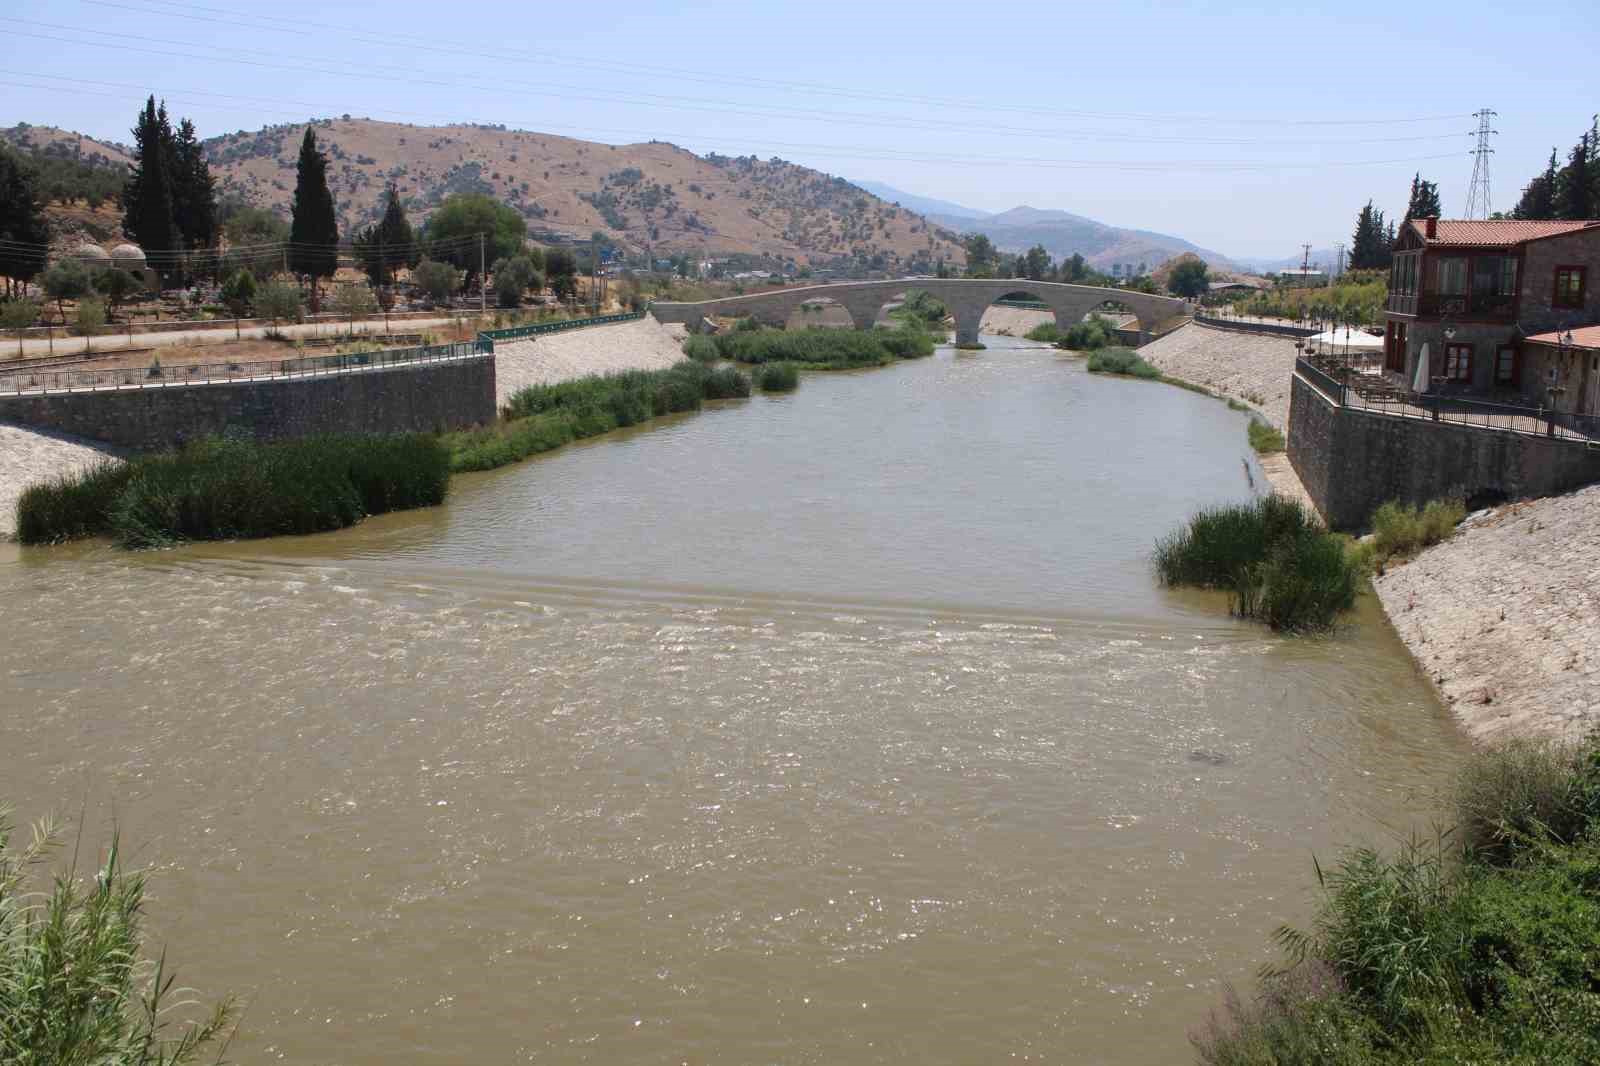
(1062, 233)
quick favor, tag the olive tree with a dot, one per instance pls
(278, 300)
(355, 300)
(66, 280)
(116, 285)
(437, 280)
(18, 315)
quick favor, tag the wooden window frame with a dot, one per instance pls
(1462, 354)
(1515, 375)
(1583, 286)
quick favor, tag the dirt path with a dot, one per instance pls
(1504, 617)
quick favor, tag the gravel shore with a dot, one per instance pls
(1504, 617)
(641, 345)
(28, 456)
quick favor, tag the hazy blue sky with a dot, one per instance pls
(1234, 125)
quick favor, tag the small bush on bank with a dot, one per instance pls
(1479, 946)
(71, 506)
(1044, 333)
(73, 985)
(1273, 554)
(778, 377)
(1264, 438)
(220, 489)
(701, 349)
(726, 384)
(1089, 335)
(1121, 361)
(1400, 531)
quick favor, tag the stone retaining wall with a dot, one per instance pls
(1352, 461)
(421, 397)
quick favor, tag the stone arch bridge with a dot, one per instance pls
(967, 299)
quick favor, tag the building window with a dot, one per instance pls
(1458, 362)
(1570, 285)
(1494, 275)
(1505, 365)
(1452, 277)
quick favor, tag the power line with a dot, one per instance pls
(966, 159)
(590, 63)
(569, 92)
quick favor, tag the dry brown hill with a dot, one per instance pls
(652, 195)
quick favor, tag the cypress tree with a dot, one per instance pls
(1539, 195)
(314, 228)
(22, 220)
(194, 194)
(147, 198)
(1424, 200)
(1575, 183)
(1369, 247)
(389, 244)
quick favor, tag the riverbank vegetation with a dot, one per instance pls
(1400, 531)
(1124, 361)
(827, 349)
(74, 986)
(227, 488)
(1481, 945)
(1044, 333)
(542, 417)
(777, 377)
(1273, 555)
(1265, 438)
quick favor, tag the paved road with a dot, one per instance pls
(67, 345)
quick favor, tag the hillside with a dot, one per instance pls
(1064, 234)
(652, 195)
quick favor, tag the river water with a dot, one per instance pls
(848, 726)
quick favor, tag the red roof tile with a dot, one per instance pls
(1500, 232)
(1582, 337)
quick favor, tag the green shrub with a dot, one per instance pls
(1121, 361)
(726, 384)
(73, 985)
(1524, 794)
(1087, 336)
(1273, 554)
(1265, 438)
(701, 349)
(1482, 945)
(826, 349)
(777, 377)
(1045, 333)
(1400, 531)
(72, 505)
(221, 488)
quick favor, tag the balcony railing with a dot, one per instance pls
(1436, 305)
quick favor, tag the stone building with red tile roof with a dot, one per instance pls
(1491, 301)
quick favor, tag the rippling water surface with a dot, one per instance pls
(842, 727)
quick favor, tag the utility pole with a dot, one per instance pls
(1478, 194)
(483, 281)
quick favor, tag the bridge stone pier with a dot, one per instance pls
(967, 299)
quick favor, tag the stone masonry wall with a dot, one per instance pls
(423, 397)
(1352, 461)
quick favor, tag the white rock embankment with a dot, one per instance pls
(28, 456)
(644, 344)
(1504, 617)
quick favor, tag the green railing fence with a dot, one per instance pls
(539, 328)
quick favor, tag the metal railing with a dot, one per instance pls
(1346, 388)
(540, 328)
(1433, 304)
(22, 382)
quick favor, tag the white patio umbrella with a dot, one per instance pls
(1420, 384)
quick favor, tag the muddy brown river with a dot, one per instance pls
(842, 727)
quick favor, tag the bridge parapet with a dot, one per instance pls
(967, 299)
